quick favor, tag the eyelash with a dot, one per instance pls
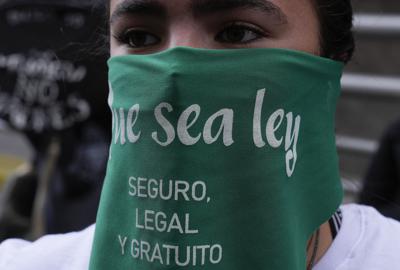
(124, 36)
(244, 27)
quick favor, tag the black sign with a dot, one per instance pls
(50, 77)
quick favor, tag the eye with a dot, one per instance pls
(239, 33)
(137, 38)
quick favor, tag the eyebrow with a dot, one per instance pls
(203, 7)
(198, 7)
(139, 7)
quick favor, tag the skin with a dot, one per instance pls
(149, 26)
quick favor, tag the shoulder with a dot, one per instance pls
(62, 251)
(367, 240)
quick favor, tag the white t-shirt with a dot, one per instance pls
(366, 241)
(54, 252)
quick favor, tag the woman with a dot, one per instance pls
(181, 96)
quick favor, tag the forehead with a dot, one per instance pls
(281, 8)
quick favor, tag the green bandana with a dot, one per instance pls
(220, 159)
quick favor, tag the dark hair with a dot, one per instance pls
(336, 23)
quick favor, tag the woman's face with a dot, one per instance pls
(149, 26)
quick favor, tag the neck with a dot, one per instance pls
(325, 241)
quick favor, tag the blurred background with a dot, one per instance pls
(51, 169)
(369, 109)
(55, 122)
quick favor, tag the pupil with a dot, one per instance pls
(137, 39)
(235, 34)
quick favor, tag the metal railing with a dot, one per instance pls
(352, 186)
(377, 24)
(371, 84)
(356, 145)
(374, 24)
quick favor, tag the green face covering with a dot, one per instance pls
(220, 159)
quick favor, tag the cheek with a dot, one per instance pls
(306, 31)
(303, 30)
(116, 50)
(305, 39)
